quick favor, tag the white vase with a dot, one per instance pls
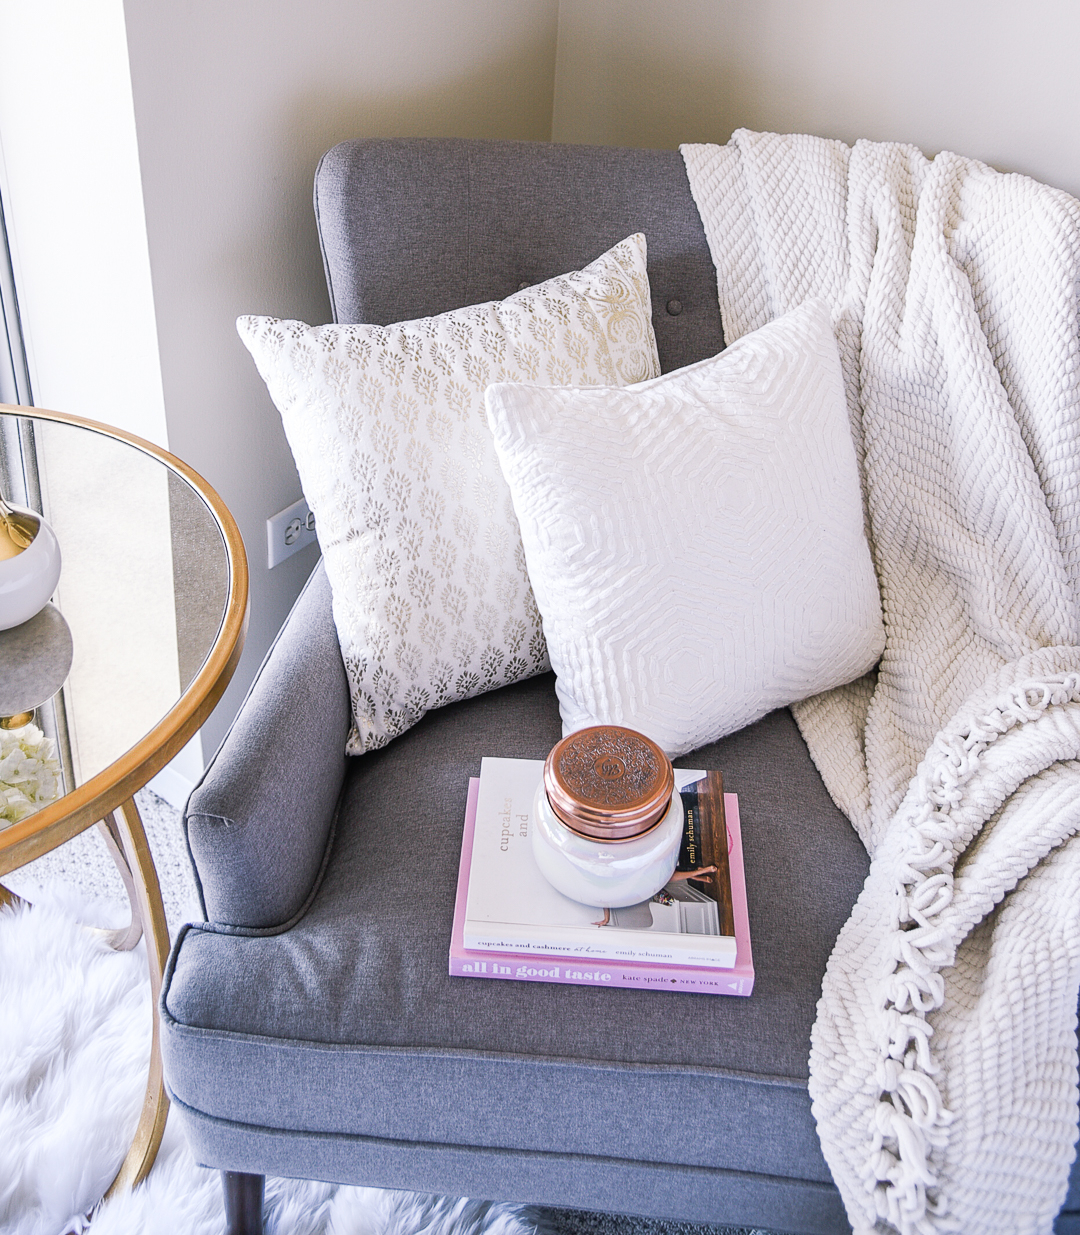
(28, 579)
(611, 874)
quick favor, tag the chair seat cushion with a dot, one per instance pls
(348, 1023)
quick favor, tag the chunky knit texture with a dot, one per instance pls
(943, 1060)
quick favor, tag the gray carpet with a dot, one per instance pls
(84, 863)
(579, 1222)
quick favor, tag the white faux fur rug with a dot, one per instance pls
(74, 1043)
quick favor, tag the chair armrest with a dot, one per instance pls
(258, 822)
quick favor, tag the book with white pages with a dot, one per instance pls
(511, 907)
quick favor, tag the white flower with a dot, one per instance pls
(29, 773)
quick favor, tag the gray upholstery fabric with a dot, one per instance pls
(258, 822)
(411, 228)
(614, 1186)
(348, 1023)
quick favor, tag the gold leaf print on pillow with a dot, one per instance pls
(427, 385)
(432, 507)
(528, 359)
(617, 310)
(406, 410)
(477, 370)
(418, 458)
(455, 603)
(559, 372)
(461, 399)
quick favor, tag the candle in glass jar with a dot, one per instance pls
(608, 818)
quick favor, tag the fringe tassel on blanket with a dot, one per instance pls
(910, 1120)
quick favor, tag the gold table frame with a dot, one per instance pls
(107, 799)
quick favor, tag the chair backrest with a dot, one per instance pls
(415, 227)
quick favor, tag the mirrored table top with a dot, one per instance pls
(150, 574)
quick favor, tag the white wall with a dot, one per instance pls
(70, 180)
(988, 78)
(234, 105)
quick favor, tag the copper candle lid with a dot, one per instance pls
(608, 783)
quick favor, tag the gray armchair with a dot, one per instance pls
(310, 1028)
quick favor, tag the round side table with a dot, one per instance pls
(150, 614)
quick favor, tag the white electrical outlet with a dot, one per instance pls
(288, 531)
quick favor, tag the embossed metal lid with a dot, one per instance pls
(608, 783)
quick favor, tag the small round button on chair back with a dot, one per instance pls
(608, 783)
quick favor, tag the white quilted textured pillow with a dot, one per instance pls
(696, 542)
(387, 426)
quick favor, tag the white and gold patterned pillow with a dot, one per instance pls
(388, 428)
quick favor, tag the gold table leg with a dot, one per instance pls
(148, 915)
(126, 938)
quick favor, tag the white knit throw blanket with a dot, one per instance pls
(943, 1066)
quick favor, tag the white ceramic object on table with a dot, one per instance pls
(607, 818)
(611, 874)
(28, 580)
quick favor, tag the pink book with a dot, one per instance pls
(523, 967)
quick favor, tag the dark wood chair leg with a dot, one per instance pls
(243, 1202)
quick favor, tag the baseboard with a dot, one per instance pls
(173, 786)
(180, 775)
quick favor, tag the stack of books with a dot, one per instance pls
(509, 922)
